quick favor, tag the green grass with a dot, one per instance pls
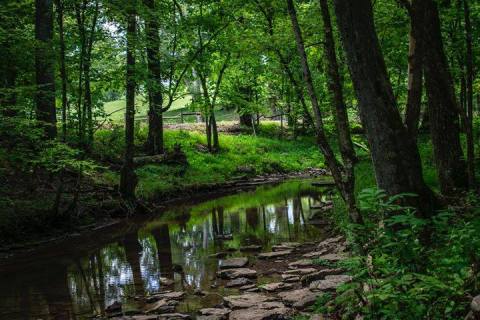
(264, 155)
(115, 109)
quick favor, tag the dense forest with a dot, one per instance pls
(253, 159)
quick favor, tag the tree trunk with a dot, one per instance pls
(332, 163)
(155, 144)
(443, 108)
(128, 178)
(45, 67)
(336, 89)
(80, 17)
(469, 98)
(416, 54)
(88, 113)
(341, 120)
(395, 156)
(214, 129)
(63, 69)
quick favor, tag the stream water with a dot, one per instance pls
(79, 278)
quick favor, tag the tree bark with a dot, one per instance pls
(395, 156)
(416, 54)
(88, 91)
(63, 70)
(336, 89)
(341, 117)
(45, 68)
(332, 163)
(469, 98)
(443, 108)
(155, 144)
(128, 178)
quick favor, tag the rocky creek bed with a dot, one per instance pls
(279, 284)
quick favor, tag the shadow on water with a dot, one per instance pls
(78, 280)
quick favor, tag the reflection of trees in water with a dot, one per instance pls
(133, 266)
(57, 293)
(164, 250)
(133, 250)
(235, 222)
(251, 215)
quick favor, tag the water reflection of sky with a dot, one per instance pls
(133, 265)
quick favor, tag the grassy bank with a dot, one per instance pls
(42, 195)
(240, 155)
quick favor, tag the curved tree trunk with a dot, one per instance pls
(334, 166)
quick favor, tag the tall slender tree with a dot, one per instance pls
(45, 67)
(63, 69)
(443, 107)
(336, 169)
(335, 84)
(416, 55)
(154, 143)
(469, 95)
(128, 178)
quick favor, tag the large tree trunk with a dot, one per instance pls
(128, 178)
(332, 163)
(45, 67)
(416, 54)
(394, 153)
(63, 70)
(469, 98)
(443, 107)
(154, 143)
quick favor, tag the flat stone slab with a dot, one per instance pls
(262, 311)
(302, 271)
(161, 306)
(239, 282)
(320, 275)
(273, 255)
(299, 299)
(171, 295)
(246, 300)
(301, 263)
(237, 273)
(276, 286)
(173, 316)
(214, 313)
(475, 305)
(233, 263)
(247, 287)
(316, 254)
(286, 246)
(333, 257)
(330, 282)
(290, 278)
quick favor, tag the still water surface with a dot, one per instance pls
(79, 278)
